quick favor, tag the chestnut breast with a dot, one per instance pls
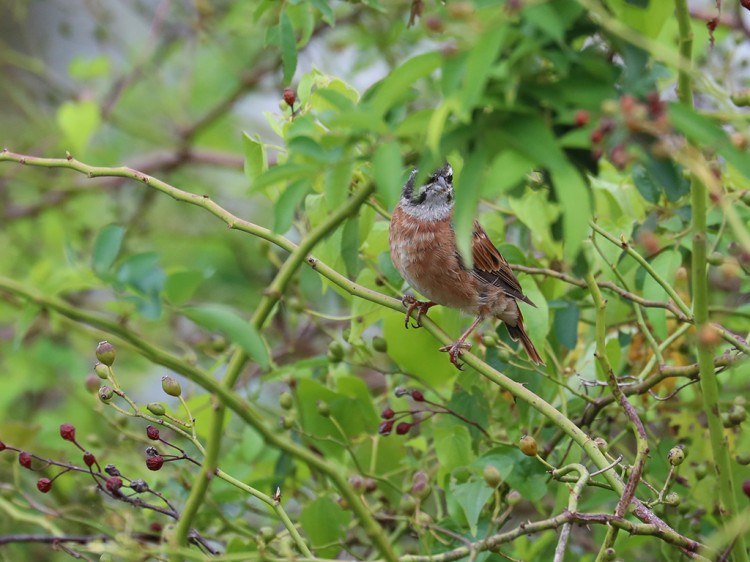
(424, 252)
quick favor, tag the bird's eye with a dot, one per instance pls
(449, 177)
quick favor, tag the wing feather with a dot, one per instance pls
(490, 265)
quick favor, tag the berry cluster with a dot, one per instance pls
(391, 416)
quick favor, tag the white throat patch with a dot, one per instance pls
(429, 210)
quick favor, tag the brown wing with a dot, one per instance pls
(492, 267)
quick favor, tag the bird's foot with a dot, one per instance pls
(413, 304)
(455, 350)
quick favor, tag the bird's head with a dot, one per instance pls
(433, 200)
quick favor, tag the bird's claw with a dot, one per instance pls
(413, 304)
(455, 350)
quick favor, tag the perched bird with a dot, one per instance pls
(423, 249)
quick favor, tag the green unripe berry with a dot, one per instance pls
(492, 476)
(379, 344)
(701, 470)
(407, 505)
(105, 353)
(489, 341)
(743, 458)
(737, 414)
(267, 533)
(171, 386)
(323, 409)
(156, 408)
(609, 554)
(513, 497)
(725, 421)
(102, 371)
(673, 498)
(287, 422)
(676, 455)
(286, 401)
(335, 351)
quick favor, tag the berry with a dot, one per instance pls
(88, 458)
(105, 353)
(746, 488)
(403, 428)
(102, 371)
(91, 382)
(289, 97)
(24, 459)
(528, 446)
(156, 408)
(434, 23)
(323, 409)
(68, 432)
(385, 428)
(111, 470)
(106, 393)
(676, 455)
(387, 414)
(407, 505)
(139, 486)
(417, 396)
(44, 485)
(155, 462)
(400, 391)
(286, 401)
(171, 386)
(379, 344)
(492, 476)
(513, 497)
(596, 136)
(357, 482)
(113, 484)
(152, 433)
(370, 485)
(581, 118)
(3, 446)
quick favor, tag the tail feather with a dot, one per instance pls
(517, 333)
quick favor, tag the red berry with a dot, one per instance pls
(434, 23)
(385, 428)
(155, 527)
(581, 118)
(289, 97)
(68, 432)
(655, 105)
(44, 485)
(88, 458)
(387, 414)
(155, 462)
(746, 488)
(24, 459)
(417, 396)
(403, 428)
(596, 136)
(152, 433)
(3, 446)
(114, 483)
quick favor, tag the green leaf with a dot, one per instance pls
(479, 62)
(237, 330)
(388, 172)
(288, 44)
(336, 184)
(468, 191)
(566, 324)
(106, 248)
(290, 198)
(181, 285)
(325, 11)
(645, 184)
(308, 147)
(255, 157)
(78, 121)
(452, 447)
(142, 272)
(390, 90)
(472, 496)
(285, 172)
(646, 17)
(82, 68)
(325, 523)
(573, 194)
(507, 170)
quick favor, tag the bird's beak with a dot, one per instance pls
(441, 183)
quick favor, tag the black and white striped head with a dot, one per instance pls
(432, 201)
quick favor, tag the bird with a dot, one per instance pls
(423, 249)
